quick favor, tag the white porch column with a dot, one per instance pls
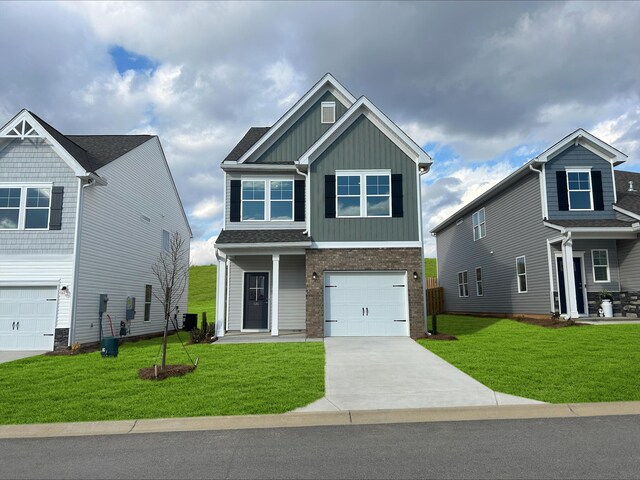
(221, 296)
(275, 297)
(569, 279)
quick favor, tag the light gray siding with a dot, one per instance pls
(629, 259)
(292, 295)
(33, 160)
(302, 134)
(514, 227)
(254, 225)
(121, 238)
(578, 156)
(363, 146)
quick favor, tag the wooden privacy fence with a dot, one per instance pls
(431, 282)
(435, 300)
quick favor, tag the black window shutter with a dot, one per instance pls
(329, 196)
(298, 206)
(596, 184)
(563, 196)
(235, 200)
(396, 195)
(55, 217)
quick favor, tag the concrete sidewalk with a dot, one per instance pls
(17, 355)
(375, 373)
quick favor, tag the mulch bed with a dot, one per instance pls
(439, 336)
(550, 323)
(149, 373)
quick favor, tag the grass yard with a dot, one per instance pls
(202, 291)
(573, 364)
(430, 267)
(230, 380)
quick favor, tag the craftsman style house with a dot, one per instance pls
(557, 235)
(81, 216)
(322, 224)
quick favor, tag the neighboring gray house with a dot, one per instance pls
(80, 216)
(507, 251)
(322, 225)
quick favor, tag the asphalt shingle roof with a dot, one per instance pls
(591, 223)
(94, 151)
(249, 140)
(627, 200)
(261, 236)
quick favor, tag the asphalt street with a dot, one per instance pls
(593, 447)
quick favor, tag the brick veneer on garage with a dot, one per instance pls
(359, 259)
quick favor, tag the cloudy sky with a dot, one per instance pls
(482, 87)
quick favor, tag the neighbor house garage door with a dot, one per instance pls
(365, 304)
(27, 317)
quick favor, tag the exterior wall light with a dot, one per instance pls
(415, 275)
(314, 275)
(65, 291)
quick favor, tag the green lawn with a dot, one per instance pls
(430, 267)
(230, 380)
(202, 291)
(574, 364)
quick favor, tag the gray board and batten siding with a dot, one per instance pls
(362, 146)
(302, 134)
(514, 227)
(292, 293)
(34, 161)
(576, 157)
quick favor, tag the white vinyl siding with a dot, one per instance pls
(600, 262)
(463, 284)
(479, 227)
(521, 274)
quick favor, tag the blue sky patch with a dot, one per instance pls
(126, 60)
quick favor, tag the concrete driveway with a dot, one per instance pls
(379, 373)
(17, 355)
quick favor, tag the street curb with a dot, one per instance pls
(315, 419)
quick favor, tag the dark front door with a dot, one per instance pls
(256, 301)
(577, 274)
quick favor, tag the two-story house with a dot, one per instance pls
(81, 216)
(551, 237)
(322, 223)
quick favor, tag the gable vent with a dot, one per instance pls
(328, 112)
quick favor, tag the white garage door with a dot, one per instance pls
(364, 304)
(27, 317)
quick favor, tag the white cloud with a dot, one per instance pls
(203, 252)
(207, 209)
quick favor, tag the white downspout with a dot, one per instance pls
(421, 237)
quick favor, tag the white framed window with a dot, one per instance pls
(463, 284)
(479, 286)
(328, 112)
(600, 261)
(253, 200)
(579, 189)
(363, 194)
(479, 227)
(25, 207)
(166, 241)
(281, 203)
(521, 274)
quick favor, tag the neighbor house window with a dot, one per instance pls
(253, 200)
(579, 188)
(479, 229)
(463, 284)
(479, 289)
(166, 241)
(281, 205)
(25, 207)
(600, 265)
(147, 303)
(521, 273)
(328, 112)
(374, 200)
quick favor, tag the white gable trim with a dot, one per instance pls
(78, 170)
(298, 109)
(380, 120)
(588, 141)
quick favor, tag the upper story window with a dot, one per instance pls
(374, 200)
(267, 200)
(25, 207)
(579, 189)
(600, 260)
(479, 228)
(328, 112)
(166, 241)
(521, 273)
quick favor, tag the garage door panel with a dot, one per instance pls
(27, 318)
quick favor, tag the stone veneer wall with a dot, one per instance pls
(363, 259)
(61, 339)
(625, 304)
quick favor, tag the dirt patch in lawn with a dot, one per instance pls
(550, 322)
(439, 336)
(169, 371)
